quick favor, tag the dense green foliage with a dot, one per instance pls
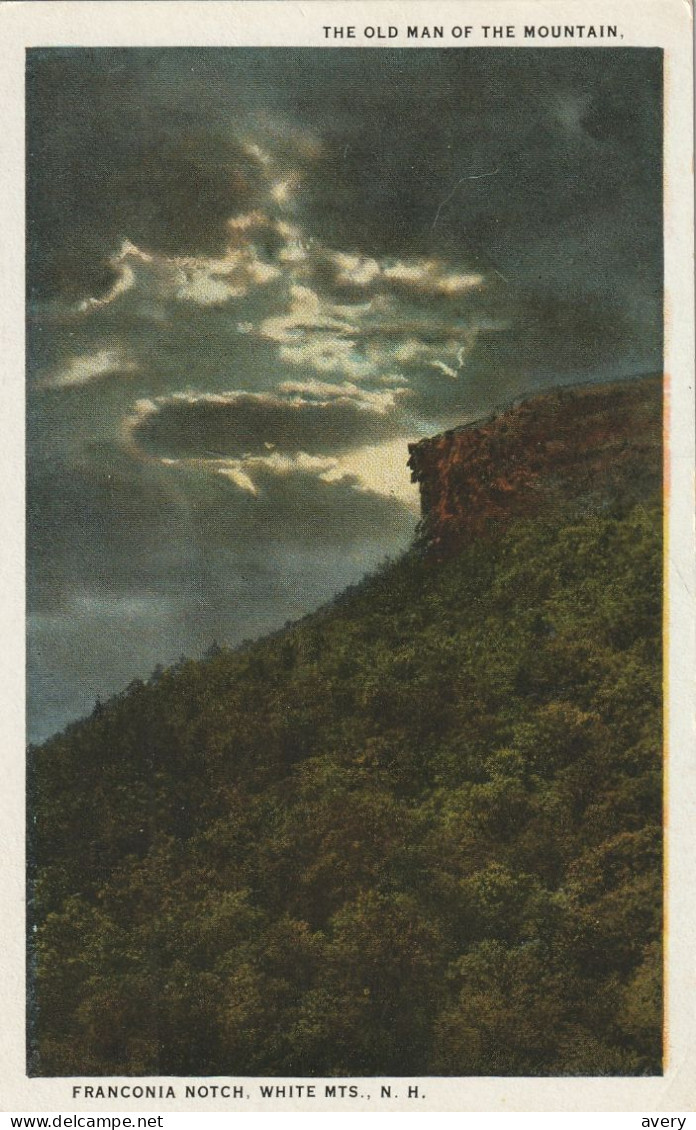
(418, 832)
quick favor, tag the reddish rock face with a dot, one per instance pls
(571, 450)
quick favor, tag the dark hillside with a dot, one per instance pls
(418, 832)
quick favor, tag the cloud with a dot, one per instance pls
(88, 367)
(244, 472)
(354, 270)
(291, 281)
(308, 313)
(144, 159)
(327, 354)
(376, 469)
(310, 417)
(203, 281)
(379, 469)
(125, 277)
(430, 277)
(316, 430)
(313, 391)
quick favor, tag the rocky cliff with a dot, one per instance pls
(578, 449)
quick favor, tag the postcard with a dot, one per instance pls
(349, 553)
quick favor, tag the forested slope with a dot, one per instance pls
(418, 832)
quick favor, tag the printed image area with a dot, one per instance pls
(344, 560)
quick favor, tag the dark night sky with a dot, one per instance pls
(255, 275)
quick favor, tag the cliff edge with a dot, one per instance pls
(577, 449)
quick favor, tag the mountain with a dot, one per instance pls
(418, 832)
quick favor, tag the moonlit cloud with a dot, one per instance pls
(299, 417)
(366, 341)
(379, 469)
(322, 392)
(87, 367)
(125, 277)
(281, 191)
(199, 280)
(327, 311)
(308, 312)
(244, 472)
(327, 354)
(247, 437)
(376, 469)
(355, 270)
